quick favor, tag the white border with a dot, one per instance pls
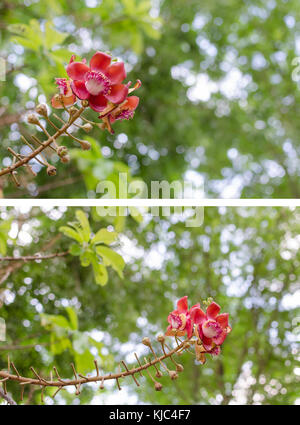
(86, 202)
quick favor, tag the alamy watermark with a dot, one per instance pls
(2, 330)
(137, 189)
(2, 69)
(296, 71)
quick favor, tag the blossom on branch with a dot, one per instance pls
(210, 328)
(180, 319)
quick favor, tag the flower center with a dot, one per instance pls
(96, 83)
(211, 329)
(176, 322)
(125, 114)
(62, 84)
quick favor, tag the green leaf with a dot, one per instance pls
(100, 273)
(86, 258)
(112, 258)
(75, 249)
(73, 318)
(136, 215)
(104, 236)
(85, 225)
(3, 248)
(50, 321)
(71, 233)
(53, 37)
(59, 345)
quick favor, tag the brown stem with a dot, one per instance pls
(78, 381)
(35, 257)
(43, 146)
(6, 397)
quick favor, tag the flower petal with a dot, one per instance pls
(182, 305)
(131, 103)
(100, 61)
(98, 103)
(77, 70)
(117, 94)
(222, 319)
(67, 101)
(197, 315)
(79, 89)
(189, 328)
(116, 72)
(207, 343)
(220, 339)
(174, 332)
(213, 310)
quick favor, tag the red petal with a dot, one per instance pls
(79, 89)
(100, 61)
(98, 103)
(77, 70)
(213, 310)
(117, 94)
(182, 305)
(221, 339)
(222, 319)
(198, 316)
(131, 103)
(207, 343)
(116, 72)
(189, 328)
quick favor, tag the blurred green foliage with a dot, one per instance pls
(92, 250)
(219, 100)
(247, 259)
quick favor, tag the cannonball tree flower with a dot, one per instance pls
(212, 328)
(180, 321)
(99, 83)
(65, 97)
(123, 111)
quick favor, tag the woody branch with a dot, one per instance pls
(79, 379)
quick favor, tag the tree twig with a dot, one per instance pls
(6, 397)
(35, 257)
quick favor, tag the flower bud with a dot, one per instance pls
(158, 374)
(158, 386)
(146, 341)
(65, 159)
(33, 119)
(179, 368)
(62, 151)
(85, 145)
(85, 103)
(51, 170)
(160, 338)
(72, 110)
(87, 127)
(41, 109)
(173, 374)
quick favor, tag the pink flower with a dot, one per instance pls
(100, 82)
(180, 319)
(124, 111)
(212, 327)
(65, 96)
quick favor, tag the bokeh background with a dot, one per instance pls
(219, 102)
(247, 259)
